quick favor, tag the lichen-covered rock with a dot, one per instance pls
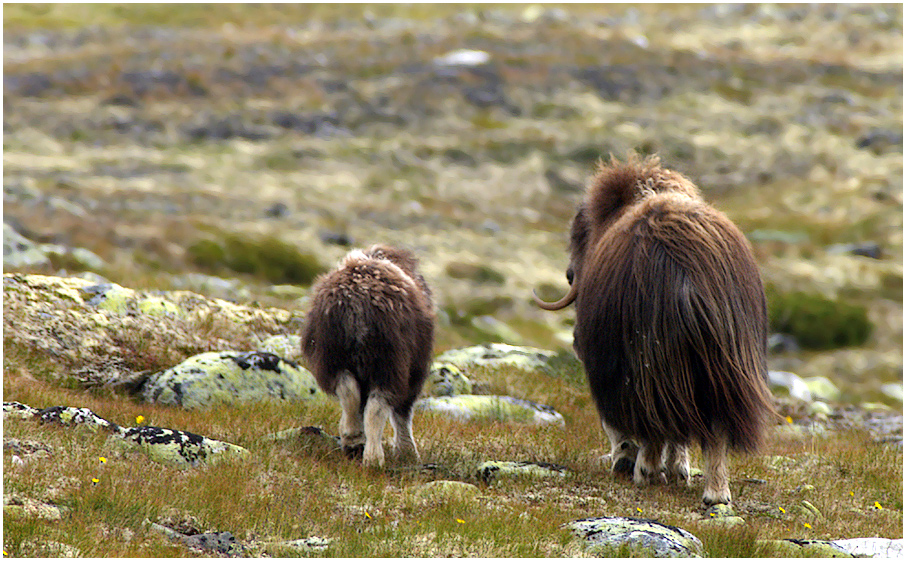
(19, 251)
(288, 347)
(787, 383)
(808, 511)
(722, 515)
(872, 547)
(293, 548)
(227, 377)
(492, 470)
(446, 380)
(16, 506)
(76, 416)
(222, 543)
(806, 548)
(167, 446)
(177, 448)
(104, 334)
(822, 388)
(495, 355)
(647, 536)
(893, 390)
(493, 407)
(18, 410)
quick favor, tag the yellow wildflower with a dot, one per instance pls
(460, 520)
(103, 460)
(639, 509)
(878, 505)
(789, 420)
(140, 419)
(807, 525)
(781, 509)
(95, 480)
(368, 516)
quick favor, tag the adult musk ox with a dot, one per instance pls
(671, 324)
(368, 340)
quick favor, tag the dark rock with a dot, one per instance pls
(880, 141)
(335, 238)
(560, 184)
(307, 124)
(222, 542)
(277, 210)
(867, 249)
(613, 83)
(121, 100)
(224, 129)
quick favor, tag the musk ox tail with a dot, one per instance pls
(676, 326)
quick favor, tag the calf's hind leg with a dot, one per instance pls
(377, 410)
(404, 443)
(352, 437)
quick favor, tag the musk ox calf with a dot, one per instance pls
(671, 324)
(368, 340)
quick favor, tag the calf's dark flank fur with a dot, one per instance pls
(671, 322)
(370, 327)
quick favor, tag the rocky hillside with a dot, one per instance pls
(174, 179)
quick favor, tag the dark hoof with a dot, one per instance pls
(624, 466)
(354, 452)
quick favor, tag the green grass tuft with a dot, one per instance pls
(818, 322)
(268, 258)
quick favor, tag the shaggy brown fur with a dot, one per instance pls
(368, 340)
(671, 324)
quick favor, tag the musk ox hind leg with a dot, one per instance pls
(676, 463)
(352, 436)
(623, 450)
(403, 443)
(649, 464)
(717, 482)
(377, 412)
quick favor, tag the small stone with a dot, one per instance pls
(300, 546)
(822, 388)
(463, 57)
(492, 470)
(819, 408)
(789, 383)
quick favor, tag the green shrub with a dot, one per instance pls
(817, 322)
(269, 258)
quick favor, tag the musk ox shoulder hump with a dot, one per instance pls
(617, 185)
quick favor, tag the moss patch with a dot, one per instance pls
(818, 322)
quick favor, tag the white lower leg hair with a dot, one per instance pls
(349, 394)
(404, 443)
(377, 411)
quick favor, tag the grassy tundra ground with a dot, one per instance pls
(175, 139)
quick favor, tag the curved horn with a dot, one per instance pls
(559, 304)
